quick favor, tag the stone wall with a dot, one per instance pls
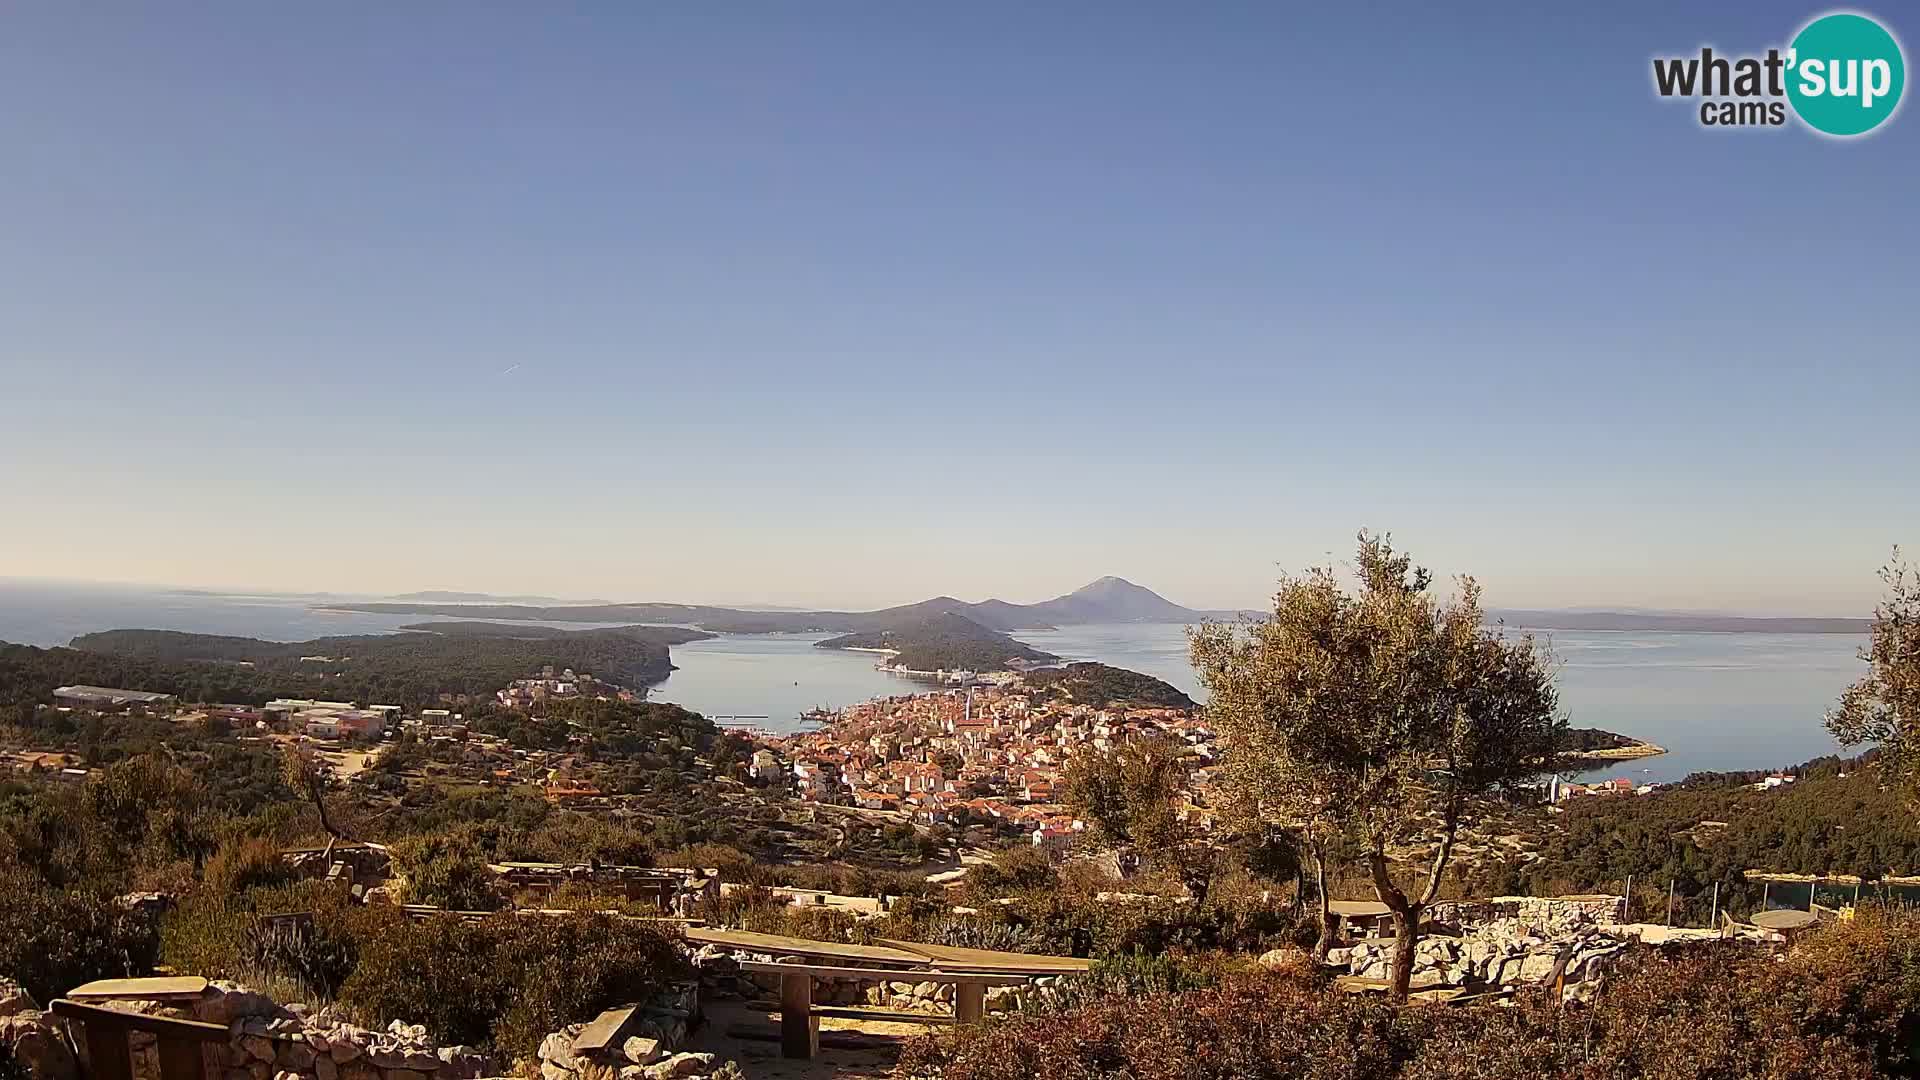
(268, 1041)
(1508, 941)
(1502, 953)
(1548, 915)
(721, 976)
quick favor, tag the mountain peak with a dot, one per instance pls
(1113, 599)
(1109, 583)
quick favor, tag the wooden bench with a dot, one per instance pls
(167, 988)
(800, 1020)
(109, 1057)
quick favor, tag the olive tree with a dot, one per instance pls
(307, 775)
(1370, 719)
(1884, 705)
(1131, 797)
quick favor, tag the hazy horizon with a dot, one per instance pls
(519, 597)
(729, 305)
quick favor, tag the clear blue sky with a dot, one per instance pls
(855, 303)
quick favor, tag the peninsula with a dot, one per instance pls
(948, 641)
(456, 659)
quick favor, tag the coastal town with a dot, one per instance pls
(988, 755)
(985, 757)
(985, 820)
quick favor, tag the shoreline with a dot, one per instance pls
(1600, 759)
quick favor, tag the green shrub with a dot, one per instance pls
(508, 980)
(316, 954)
(205, 934)
(574, 838)
(974, 932)
(225, 936)
(607, 962)
(762, 911)
(434, 972)
(243, 864)
(54, 939)
(1015, 870)
(446, 870)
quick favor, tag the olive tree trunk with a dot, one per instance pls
(1328, 925)
(1406, 910)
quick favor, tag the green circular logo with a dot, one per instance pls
(1845, 73)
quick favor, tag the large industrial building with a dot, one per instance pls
(109, 699)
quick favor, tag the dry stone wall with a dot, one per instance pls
(720, 975)
(269, 1041)
(1549, 916)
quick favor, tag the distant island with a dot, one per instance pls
(443, 595)
(1103, 601)
(1107, 600)
(1592, 748)
(947, 641)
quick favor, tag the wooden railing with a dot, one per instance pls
(110, 1057)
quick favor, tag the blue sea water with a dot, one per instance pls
(46, 613)
(1715, 701)
(1720, 702)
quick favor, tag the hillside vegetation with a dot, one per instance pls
(1839, 817)
(402, 669)
(1103, 685)
(1843, 1004)
(949, 640)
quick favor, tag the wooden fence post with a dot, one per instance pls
(799, 1028)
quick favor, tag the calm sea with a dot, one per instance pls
(1715, 701)
(1723, 702)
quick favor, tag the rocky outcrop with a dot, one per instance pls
(634, 1043)
(35, 1040)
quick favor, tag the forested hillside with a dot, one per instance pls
(1101, 685)
(402, 669)
(949, 640)
(1838, 817)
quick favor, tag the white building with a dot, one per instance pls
(766, 767)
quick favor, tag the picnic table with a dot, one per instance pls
(969, 971)
(1785, 921)
(800, 1017)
